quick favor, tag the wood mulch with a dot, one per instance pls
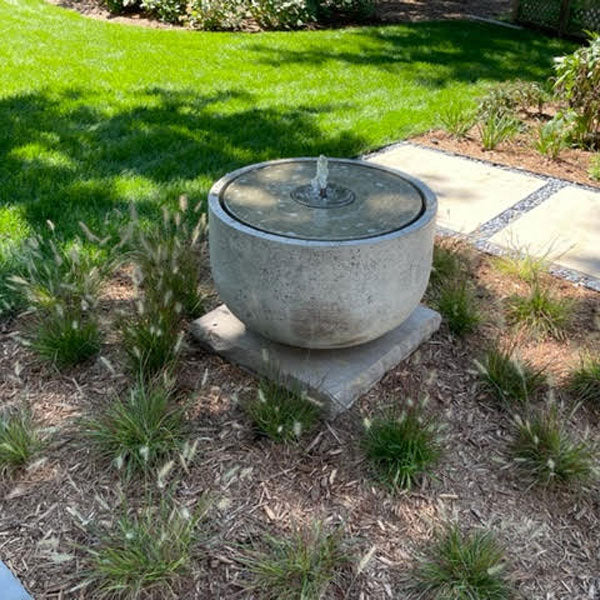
(552, 538)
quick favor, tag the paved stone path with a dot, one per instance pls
(501, 208)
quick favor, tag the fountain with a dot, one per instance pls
(326, 260)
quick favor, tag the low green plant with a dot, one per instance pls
(594, 168)
(464, 567)
(168, 11)
(511, 380)
(144, 553)
(552, 137)
(523, 265)
(541, 311)
(213, 15)
(584, 382)
(402, 449)
(280, 413)
(509, 97)
(303, 566)
(546, 454)
(457, 303)
(447, 265)
(139, 431)
(19, 440)
(497, 128)
(457, 119)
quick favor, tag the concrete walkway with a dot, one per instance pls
(501, 208)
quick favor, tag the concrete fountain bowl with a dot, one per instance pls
(327, 261)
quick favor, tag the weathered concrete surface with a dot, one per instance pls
(566, 227)
(10, 588)
(316, 293)
(469, 193)
(335, 377)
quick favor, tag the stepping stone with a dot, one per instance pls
(10, 588)
(335, 377)
(566, 227)
(469, 193)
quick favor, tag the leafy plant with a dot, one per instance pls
(216, 14)
(457, 119)
(19, 440)
(584, 382)
(578, 83)
(553, 137)
(403, 448)
(497, 128)
(140, 430)
(543, 450)
(303, 566)
(509, 379)
(594, 169)
(541, 311)
(457, 304)
(274, 14)
(169, 11)
(281, 414)
(119, 6)
(459, 566)
(509, 97)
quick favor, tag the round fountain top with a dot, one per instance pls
(361, 200)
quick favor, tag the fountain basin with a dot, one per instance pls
(321, 278)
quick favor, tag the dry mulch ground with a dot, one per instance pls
(552, 539)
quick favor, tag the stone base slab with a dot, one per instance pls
(335, 377)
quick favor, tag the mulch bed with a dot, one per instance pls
(552, 538)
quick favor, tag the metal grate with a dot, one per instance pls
(564, 16)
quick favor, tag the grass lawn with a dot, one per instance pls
(96, 115)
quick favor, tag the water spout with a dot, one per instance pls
(319, 183)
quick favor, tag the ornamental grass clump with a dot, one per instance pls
(19, 440)
(523, 265)
(302, 566)
(545, 453)
(457, 119)
(404, 448)
(280, 413)
(447, 265)
(463, 567)
(511, 380)
(584, 381)
(138, 431)
(457, 303)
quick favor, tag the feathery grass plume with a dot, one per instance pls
(168, 258)
(542, 312)
(447, 265)
(19, 440)
(463, 567)
(146, 552)
(402, 449)
(547, 455)
(523, 265)
(302, 566)
(280, 413)
(457, 303)
(584, 382)
(510, 379)
(140, 430)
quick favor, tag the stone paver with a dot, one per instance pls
(566, 226)
(336, 377)
(469, 193)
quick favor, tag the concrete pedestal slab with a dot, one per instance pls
(335, 377)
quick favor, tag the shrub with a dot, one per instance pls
(552, 137)
(497, 128)
(584, 382)
(457, 119)
(19, 440)
(119, 6)
(541, 311)
(138, 432)
(216, 14)
(594, 169)
(281, 414)
(578, 83)
(303, 566)
(144, 552)
(169, 11)
(544, 452)
(469, 567)
(509, 379)
(402, 449)
(457, 304)
(275, 14)
(327, 10)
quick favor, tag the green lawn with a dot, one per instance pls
(95, 115)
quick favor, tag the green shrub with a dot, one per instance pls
(546, 454)
(553, 137)
(19, 440)
(216, 14)
(402, 449)
(169, 11)
(329, 10)
(463, 567)
(139, 431)
(578, 84)
(457, 119)
(584, 382)
(119, 6)
(281, 414)
(497, 128)
(594, 169)
(509, 97)
(510, 380)
(303, 566)
(274, 14)
(458, 306)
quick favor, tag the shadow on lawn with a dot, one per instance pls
(70, 157)
(467, 52)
